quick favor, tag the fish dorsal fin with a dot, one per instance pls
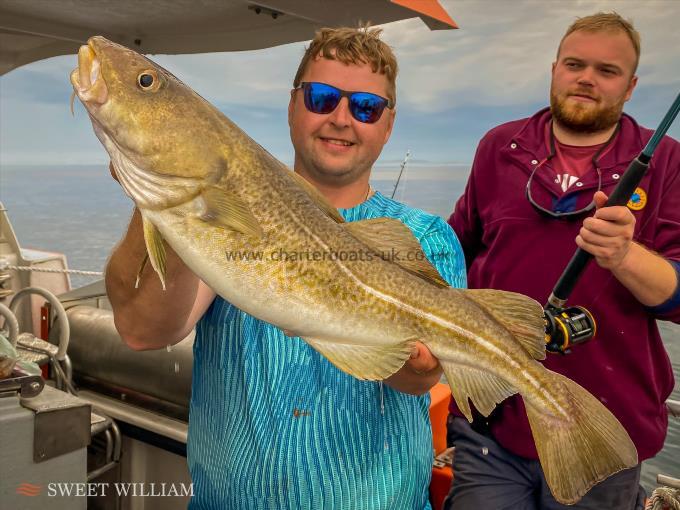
(154, 249)
(226, 210)
(389, 237)
(484, 389)
(318, 198)
(366, 362)
(520, 315)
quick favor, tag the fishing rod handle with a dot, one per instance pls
(630, 180)
(570, 276)
(620, 196)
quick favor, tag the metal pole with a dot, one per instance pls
(401, 171)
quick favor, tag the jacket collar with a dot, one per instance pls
(630, 139)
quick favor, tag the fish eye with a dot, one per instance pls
(148, 80)
(145, 80)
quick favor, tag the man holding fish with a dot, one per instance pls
(273, 423)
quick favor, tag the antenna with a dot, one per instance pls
(401, 171)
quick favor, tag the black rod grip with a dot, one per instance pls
(620, 196)
(571, 274)
(630, 180)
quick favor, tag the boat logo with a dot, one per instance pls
(29, 489)
(638, 200)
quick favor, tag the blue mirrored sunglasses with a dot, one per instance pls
(323, 99)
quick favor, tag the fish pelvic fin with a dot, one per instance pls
(387, 236)
(366, 362)
(578, 452)
(225, 209)
(141, 269)
(318, 198)
(519, 314)
(155, 250)
(485, 390)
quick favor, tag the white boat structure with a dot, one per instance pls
(119, 440)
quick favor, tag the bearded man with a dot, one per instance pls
(532, 191)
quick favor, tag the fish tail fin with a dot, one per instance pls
(583, 449)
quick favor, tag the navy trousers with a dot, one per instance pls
(488, 476)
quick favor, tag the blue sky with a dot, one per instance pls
(453, 85)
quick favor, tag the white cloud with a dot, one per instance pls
(262, 77)
(502, 53)
(499, 58)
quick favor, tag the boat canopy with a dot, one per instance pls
(39, 29)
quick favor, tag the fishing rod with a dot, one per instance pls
(568, 326)
(403, 165)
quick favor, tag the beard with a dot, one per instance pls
(584, 117)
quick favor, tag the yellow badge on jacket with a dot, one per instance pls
(638, 200)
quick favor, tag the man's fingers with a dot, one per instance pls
(588, 239)
(600, 199)
(616, 213)
(597, 249)
(604, 228)
(605, 239)
(422, 359)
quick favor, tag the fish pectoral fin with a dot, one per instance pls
(389, 237)
(484, 389)
(318, 198)
(226, 210)
(519, 314)
(366, 362)
(155, 250)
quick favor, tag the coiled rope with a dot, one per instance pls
(664, 498)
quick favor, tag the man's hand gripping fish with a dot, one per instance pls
(208, 190)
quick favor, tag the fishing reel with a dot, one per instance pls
(565, 327)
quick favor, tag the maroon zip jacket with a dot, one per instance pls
(508, 245)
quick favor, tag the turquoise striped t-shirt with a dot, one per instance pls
(274, 425)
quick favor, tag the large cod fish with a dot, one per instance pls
(208, 190)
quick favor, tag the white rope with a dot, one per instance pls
(48, 270)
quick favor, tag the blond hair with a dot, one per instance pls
(353, 46)
(606, 22)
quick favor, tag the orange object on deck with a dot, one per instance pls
(440, 486)
(440, 395)
(439, 411)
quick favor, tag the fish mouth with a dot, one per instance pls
(87, 80)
